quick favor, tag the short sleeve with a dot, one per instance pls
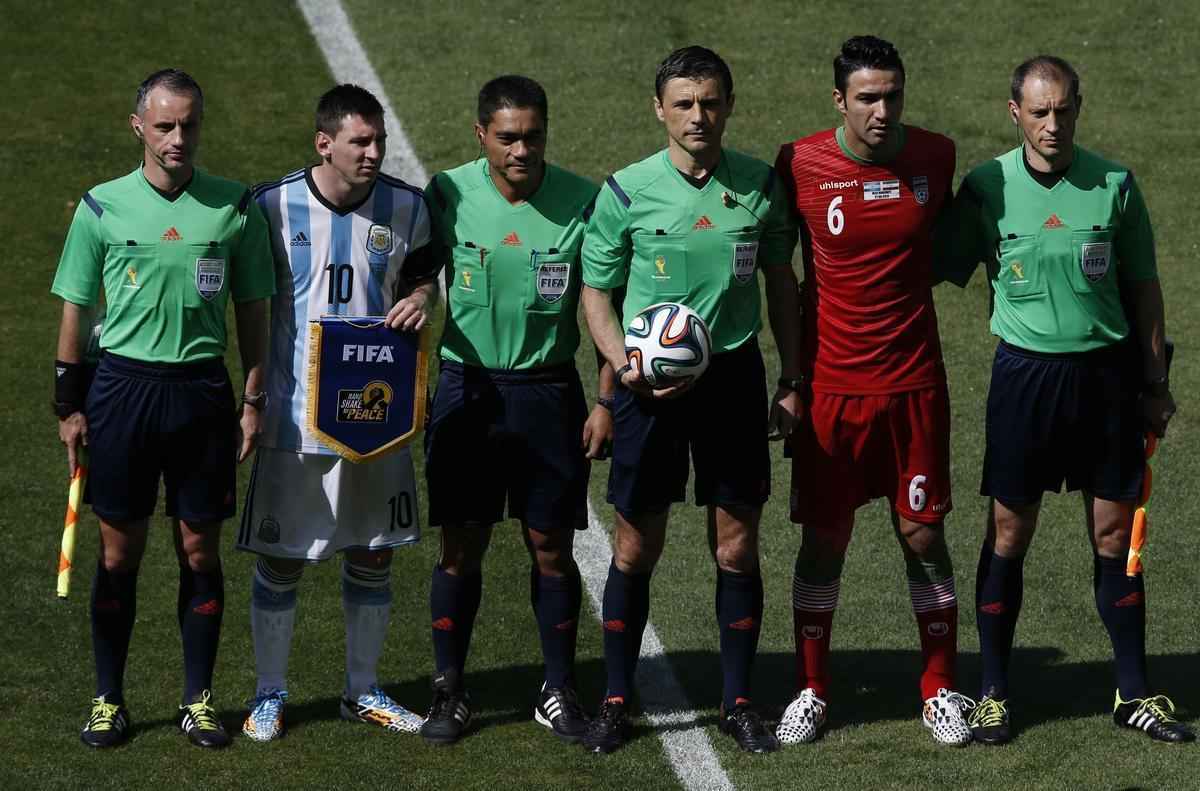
(606, 242)
(1135, 238)
(253, 264)
(80, 269)
(959, 241)
(779, 236)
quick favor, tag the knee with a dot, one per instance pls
(1112, 537)
(926, 541)
(463, 548)
(116, 560)
(376, 559)
(738, 552)
(635, 553)
(1012, 533)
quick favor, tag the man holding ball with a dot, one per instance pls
(692, 224)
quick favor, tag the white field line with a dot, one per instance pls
(348, 62)
(686, 744)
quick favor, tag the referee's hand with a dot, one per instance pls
(73, 430)
(409, 314)
(249, 430)
(787, 408)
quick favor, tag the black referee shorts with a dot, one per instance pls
(1064, 417)
(147, 420)
(515, 436)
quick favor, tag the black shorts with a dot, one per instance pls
(507, 435)
(151, 419)
(722, 421)
(1056, 417)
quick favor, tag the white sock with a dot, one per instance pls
(367, 602)
(272, 619)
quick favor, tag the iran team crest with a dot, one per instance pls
(920, 188)
(380, 239)
(210, 276)
(552, 279)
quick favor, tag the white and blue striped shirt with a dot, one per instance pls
(328, 261)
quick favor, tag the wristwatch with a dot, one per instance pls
(796, 385)
(257, 400)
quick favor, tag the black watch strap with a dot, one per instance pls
(796, 385)
(256, 400)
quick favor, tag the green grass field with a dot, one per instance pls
(70, 72)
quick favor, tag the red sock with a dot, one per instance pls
(939, 649)
(811, 629)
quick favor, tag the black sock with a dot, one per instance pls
(114, 606)
(453, 605)
(201, 605)
(739, 617)
(626, 609)
(1121, 602)
(556, 603)
(999, 588)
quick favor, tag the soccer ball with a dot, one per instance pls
(668, 344)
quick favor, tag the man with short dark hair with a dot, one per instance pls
(867, 194)
(510, 432)
(348, 240)
(693, 223)
(1079, 375)
(169, 244)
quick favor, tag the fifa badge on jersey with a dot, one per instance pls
(660, 268)
(368, 404)
(210, 276)
(1093, 260)
(745, 255)
(888, 189)
(268, 530)
(380, 239)
(550, 277)
(920, 189)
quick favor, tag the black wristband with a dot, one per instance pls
(70, 387)
(795, 385)
(608, 402)
(624, 369)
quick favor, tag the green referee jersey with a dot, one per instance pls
(167, 267)
(1055, 256)
(666, 240)
(512, 278)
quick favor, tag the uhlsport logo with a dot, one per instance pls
(938, 629)
(812, 632)
(368, 404)
(838, 185)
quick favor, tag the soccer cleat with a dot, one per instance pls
(107, 726)
(803, 719)
(1153, 715)
(199, 721)
(943, 715)
(989, 721)
(376, 708)
(450, 711)
(747, 729)
(265, 720)
(609, 729)
(558, 709)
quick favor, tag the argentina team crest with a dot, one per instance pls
(380, 239)
(920, 189)
(210, 276)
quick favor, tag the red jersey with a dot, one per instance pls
(866, 232)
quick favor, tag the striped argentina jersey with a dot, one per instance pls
(351, 262)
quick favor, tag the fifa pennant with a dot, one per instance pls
(366, 385)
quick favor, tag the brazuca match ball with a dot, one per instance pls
(668, 343)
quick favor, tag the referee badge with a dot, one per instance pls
(552, 278)
(745, 255)
(920, 189)
(380, 239)
(210, 276)
(1093, 260)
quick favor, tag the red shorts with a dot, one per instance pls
(852, 449)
